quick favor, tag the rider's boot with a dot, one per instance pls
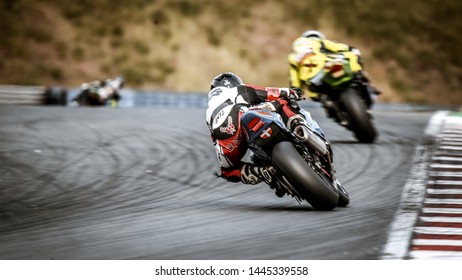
(253, 174)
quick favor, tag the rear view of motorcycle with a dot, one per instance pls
(100, 93)
(302, 157)
(345, 96)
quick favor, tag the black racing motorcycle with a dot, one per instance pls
(301, 156)
(100, 93)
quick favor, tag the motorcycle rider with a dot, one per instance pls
(309, 51)
(228, 99)
(99, 92)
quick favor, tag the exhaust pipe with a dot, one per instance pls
(304, 134)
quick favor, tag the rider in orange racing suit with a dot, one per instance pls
(309, 56)
(228, 99)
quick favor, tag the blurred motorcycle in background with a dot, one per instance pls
(100, 93)
(345, 95)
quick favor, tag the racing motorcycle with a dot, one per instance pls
(100, 93)
(301, 156)
(345, 96)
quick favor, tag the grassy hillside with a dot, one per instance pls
(410, 47)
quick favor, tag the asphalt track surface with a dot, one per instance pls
(138, 183)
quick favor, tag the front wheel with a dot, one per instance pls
(313, 187)
(360, 122)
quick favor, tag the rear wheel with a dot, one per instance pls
(313, 187)
(360, 122)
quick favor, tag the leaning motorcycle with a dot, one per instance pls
(345, 96)
(301, 156)
(100, 93)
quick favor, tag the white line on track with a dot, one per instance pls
(446, 166)
(444, 255)
(439, 230)
(457, 159)
(449, 148)
(443, 200)
(441, 219)
(442, 210)
(439, 242)
(444, 191)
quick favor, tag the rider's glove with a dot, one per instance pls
(292, 93)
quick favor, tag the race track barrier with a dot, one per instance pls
(31, 95)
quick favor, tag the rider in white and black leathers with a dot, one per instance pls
(228, 99)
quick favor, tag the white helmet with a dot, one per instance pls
(313, 33)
